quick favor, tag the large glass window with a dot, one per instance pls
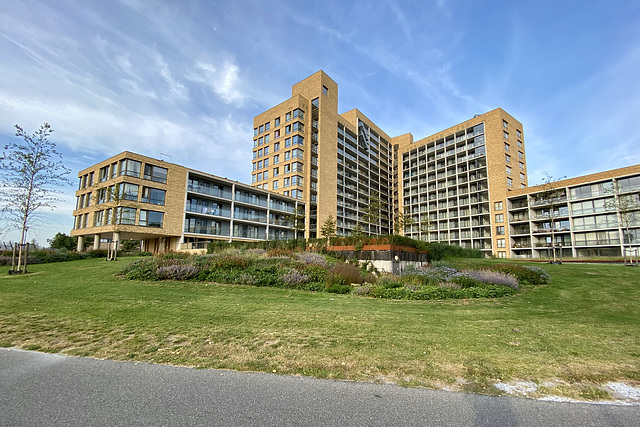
(126, 215)
(151, 218)
(130, 168)
(155, 173)
(129, 191)
(153, 195)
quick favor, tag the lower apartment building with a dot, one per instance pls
(588, 216)
(170, 207)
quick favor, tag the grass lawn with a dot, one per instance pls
(579, 331)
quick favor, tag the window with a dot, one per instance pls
(499, 217)
(296, 194)
(287, 182)
(297, 126)
(114, 171)
(260, 151)
(287, 155)
(325, 90)
(287, 117)
(130, 191)
(265, 175)
(505, 124)
(255, 166)
(518, 133)
(255, 143)
(104, 174)
(508, 170)
(151, 218)
(509, 182)
(287, 129)
(126, 216)
(255, 131)
(520, 155)
(130, 168)
(297, 153)
(261, 140)
(522, 177)
(297, 139)
(260, 164)
(253, 178)
(275, 184)
(266, 150)
(298, 113)
(287, 142)
(497, 206)
(276, 146)
(277, 121)
(267, 126)
(296, 180)
(523, 185)
(276, 134)
(286, 193)
(276, 171)
(98, 218)
(266, 139)
(259, 178)
(507, 158)
(521, 165)
(502, 254)
(287, 168)
(500, 230)
(261, 129)
(519, 144)
(255, 154)
(296, 167)
(506, 147)
(276, 159)
(502, 243)
(153, 195)
(155, 173)
(266, 162)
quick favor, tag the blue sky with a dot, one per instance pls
(186, 78)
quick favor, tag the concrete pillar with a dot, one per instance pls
(96, 242)
(80, 243)
(116, 239)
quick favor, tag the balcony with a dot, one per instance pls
(209, 211)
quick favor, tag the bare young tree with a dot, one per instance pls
(372, 213)
(31, 177)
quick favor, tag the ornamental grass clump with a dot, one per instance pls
(349, 273)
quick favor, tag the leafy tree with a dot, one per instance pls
(372, 213)
(551, 196)
(402, 221)
(627, 207)
(31, 177)
(62, 241)
(328, 229)
(296, 218)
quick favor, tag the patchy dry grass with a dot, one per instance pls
(569, 337)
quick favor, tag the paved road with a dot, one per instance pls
(39, 389)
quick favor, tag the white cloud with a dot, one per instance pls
(223, 80)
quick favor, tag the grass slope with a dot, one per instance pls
(579, 331)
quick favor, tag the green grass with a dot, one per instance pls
(581, 330)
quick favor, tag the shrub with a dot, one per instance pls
(144, 269)
(362, 290)
(311, 258)
(338, 289)
(277, 252)
(177, 272)
(316, 273)
(494, 277)
(294, 278)
(348, 272)
(229, 262)
(524, 274)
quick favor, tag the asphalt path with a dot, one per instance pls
(38, 389)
